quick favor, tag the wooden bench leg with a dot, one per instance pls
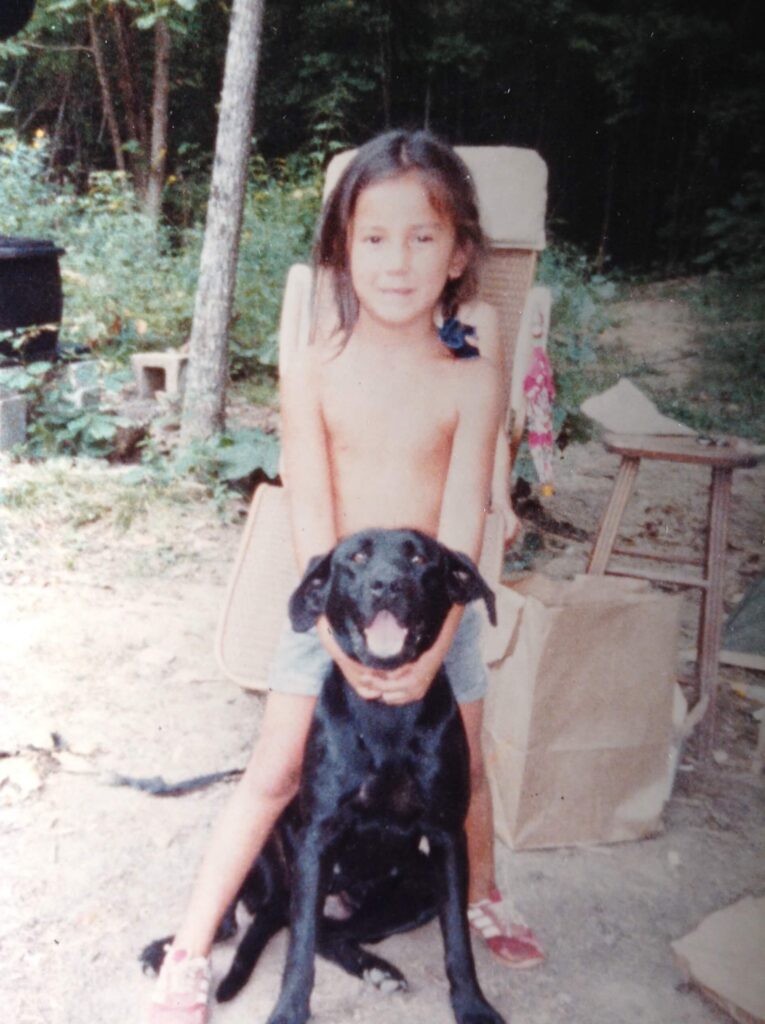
(711, 619)
(609, 527)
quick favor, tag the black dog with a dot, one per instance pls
(379, 819)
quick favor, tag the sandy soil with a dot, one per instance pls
(106, 668)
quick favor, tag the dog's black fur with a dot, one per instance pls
(379, 818)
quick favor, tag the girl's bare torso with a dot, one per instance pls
(390, 411)
(390, 418)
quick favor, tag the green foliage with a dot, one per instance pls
(647, 114)
(129, 285)
(57, 424)
(727, 391)
(233, 457)
(280, 214)
(122, 281)
(579, 316)
(736, 230)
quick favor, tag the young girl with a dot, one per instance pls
(387, 422)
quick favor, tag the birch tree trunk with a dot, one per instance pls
(158, 155)
(205, 394)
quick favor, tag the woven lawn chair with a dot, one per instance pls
(512, 189)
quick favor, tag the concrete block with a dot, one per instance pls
(160, 371)
(13, 419)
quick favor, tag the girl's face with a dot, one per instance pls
(402, 251)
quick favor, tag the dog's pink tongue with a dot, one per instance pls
(384, 636)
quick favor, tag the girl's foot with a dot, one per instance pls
(504, 931)
(182, 988)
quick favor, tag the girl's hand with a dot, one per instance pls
(409, 683)
(367, 682)
(399, 686)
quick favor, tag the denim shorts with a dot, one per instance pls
(301, 663)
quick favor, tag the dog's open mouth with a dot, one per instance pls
(384, 636)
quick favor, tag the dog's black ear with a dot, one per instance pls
(308, 601)
(464, 584)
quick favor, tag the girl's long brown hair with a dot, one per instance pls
(450, 190)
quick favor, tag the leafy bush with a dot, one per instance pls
(123, 285)
(727, 391)
(579, 316)
(58, 425)
(736, 231)
(128, 284)
(280, 213)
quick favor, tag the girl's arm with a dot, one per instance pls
(306, 459)
(309, 484)
(463, 511)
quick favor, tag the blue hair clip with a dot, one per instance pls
(454, 334)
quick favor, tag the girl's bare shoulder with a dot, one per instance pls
(483, 318)
(478, 382)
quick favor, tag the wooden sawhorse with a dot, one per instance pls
(722, 455)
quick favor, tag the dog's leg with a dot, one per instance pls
(269, 919)
(297, 982)
(468, 1002)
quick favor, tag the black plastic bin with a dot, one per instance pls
(30, 295)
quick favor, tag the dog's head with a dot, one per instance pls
(386, 594)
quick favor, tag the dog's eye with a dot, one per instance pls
(360, 557)
(417, 559)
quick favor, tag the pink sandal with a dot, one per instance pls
(182, 989)
(504, 931)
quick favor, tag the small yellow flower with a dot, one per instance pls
(297, 193)
(40, 133)
(171, 179)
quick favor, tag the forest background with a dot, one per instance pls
(648, 114)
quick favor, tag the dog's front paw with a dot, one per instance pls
(291, 1013)
(476, 1011)
(387, 979)
(483, 1016)
(152, 956)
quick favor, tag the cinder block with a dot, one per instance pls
(159, 371)
(13, 419)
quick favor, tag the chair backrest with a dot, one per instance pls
(511, 185)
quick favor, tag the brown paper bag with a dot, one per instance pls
(578, 723)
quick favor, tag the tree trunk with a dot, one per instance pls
(205, 397)
(106, 92)
(129, 84)
(58, 128)
(158, 156)
(605, 226)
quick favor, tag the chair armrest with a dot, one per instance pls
(532, 333)
(294, 324)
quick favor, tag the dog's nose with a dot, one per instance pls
(387, 586)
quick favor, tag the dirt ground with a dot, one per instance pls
(107, 669)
